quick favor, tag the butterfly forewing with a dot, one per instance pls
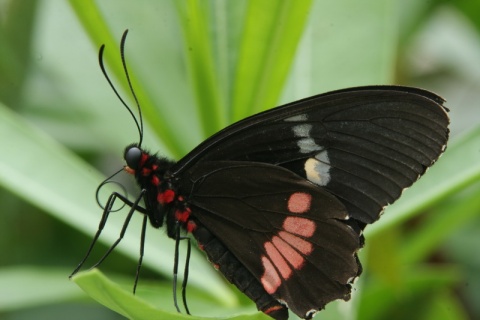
(364, 145)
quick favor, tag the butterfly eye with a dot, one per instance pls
(133, 156)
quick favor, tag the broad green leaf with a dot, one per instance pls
(26, 286)
(440, 225)
(417, 282)
(16, 25)
(271, 32)
(132, 306)
(346, 43)
(194, 16)
(446, 306)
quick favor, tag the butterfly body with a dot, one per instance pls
(278, 201)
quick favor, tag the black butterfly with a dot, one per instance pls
(278, 201)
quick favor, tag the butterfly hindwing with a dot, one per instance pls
(290, 234)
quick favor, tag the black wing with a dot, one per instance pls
(364, 145)
(292, 236)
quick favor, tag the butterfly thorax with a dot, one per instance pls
(163, 202)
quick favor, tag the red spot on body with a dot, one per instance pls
(201, 247)
(301, 226)
(155, 181)
(299, 202)
(191, 226)
(277, 259)
(270, 278)
(154, 167)
(298, 243)
(216, 266)
(146, 171)
(166, 196)
(143, 159)
(183, 215)
(180, 198)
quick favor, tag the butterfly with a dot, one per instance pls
(279, 201)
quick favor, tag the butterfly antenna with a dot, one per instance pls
(102, 66)
(122, 52)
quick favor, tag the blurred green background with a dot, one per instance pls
(198, 66)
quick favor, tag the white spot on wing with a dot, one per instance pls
(300, 117)
(310, 313)
(308, 145)
(323, 157)
(302, 130)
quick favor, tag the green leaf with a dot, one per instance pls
(194, 16)
(445, 306)
(417, 282)
(268, 45)
(111, 295)
(346, 43)
(440, 224)
(25, 287)
(18, 21)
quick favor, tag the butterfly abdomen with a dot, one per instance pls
(236, 273)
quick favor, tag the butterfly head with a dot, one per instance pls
(134, 158)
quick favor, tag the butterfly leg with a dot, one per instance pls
(108, 208)
(185, 275)
(142, 246)
(178, 238)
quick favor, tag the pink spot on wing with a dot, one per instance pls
(299, 202)
(301, 226)
(298, 243)
(270, 278)
(277, 259)
(293, 257)
(286, 251)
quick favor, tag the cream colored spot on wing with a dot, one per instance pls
(318, 169)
